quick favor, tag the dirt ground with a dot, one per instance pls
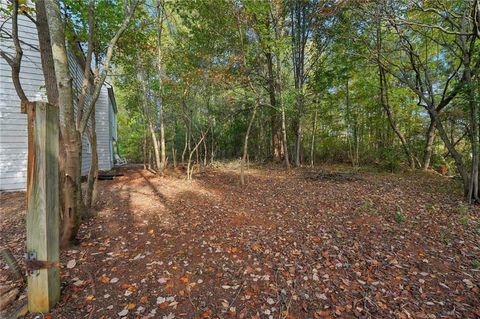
(310, 243)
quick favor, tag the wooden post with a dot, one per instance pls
(43, 207)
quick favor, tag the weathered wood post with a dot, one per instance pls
(43, 207)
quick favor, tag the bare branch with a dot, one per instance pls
(431, 26)
(88, 61)
(100, 79)
(15, 62)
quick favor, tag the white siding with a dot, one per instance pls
(113, 122)
(113, 131)
(103, 131)
(112, 112)
(13, 124)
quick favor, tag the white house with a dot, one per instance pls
(13, 124)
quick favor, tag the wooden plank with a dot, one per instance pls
(43, 205)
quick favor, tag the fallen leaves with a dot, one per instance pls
(105, 279)
(256, 247)
(280, 243)
(206, 313)
(468, 283)
(7, 296)
(129, 287)
(71, 263)
(123, 313)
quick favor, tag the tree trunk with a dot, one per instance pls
(282, 115)
(386, 106)
(430, 138)
(198, 157)
(150, 162)
(299, 132)
(163, 156)
(186, 144)
(160, 83)
(245, 142)
(348, 116)
(300, 26)
(189, 169)
(48, 69)
(284, 139)
(145, 148)
(278, 27)
(205, 152)
(71, 137)
(384, 97)
(275, 142)
(212, 151)
(473, 194)
(156, 148)
(46, 53)
(312, 147)
(148, 115)
(91, 191)
(174, 148)
(459, 163)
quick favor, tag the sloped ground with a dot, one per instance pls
(303, 244)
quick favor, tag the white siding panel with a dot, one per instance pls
(86, 156)
(13, 124)
(103, 131)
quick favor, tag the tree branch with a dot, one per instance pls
(106, 64)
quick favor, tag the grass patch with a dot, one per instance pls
(399, 217)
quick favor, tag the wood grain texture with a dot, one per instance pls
(43, 205)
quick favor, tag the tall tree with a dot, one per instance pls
(301, 25)
(72, 128)
(160, 21)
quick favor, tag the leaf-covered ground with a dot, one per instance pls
(311, 243)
